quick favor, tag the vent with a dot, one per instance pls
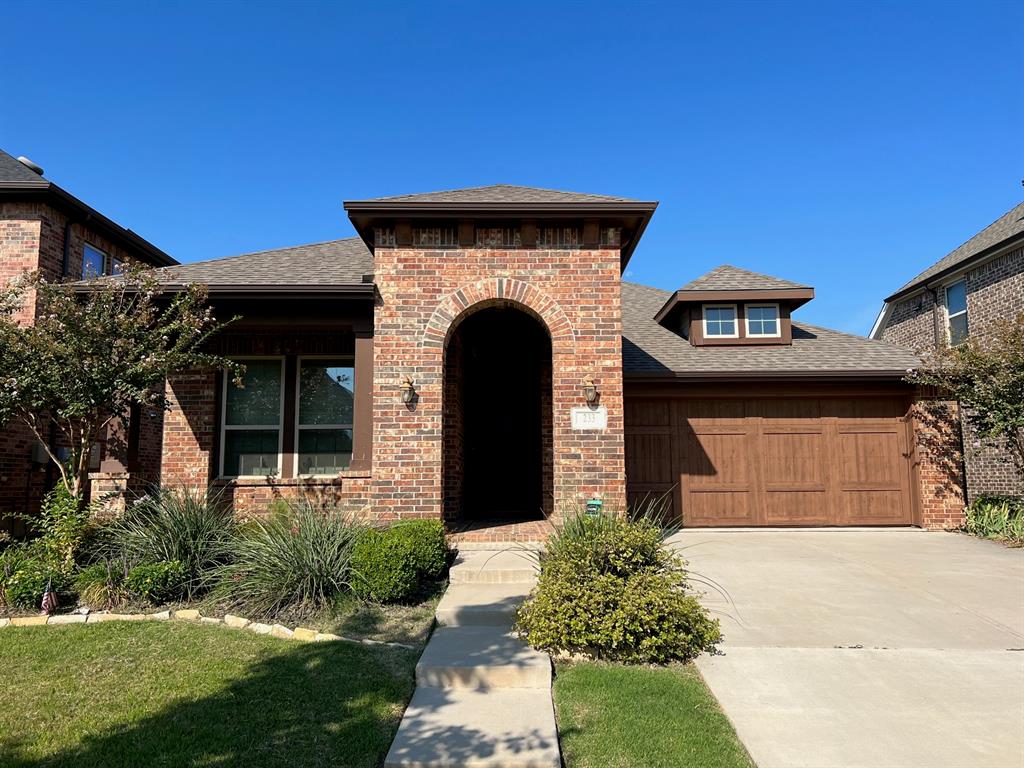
(30, 165)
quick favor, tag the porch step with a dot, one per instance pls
(495, 728)
(492, 605)
(503, 567)
(481, 657)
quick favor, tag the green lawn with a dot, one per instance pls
(179, 694)
(613, 716)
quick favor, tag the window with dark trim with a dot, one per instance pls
(94, 262)
(956, 311)
(326, 411)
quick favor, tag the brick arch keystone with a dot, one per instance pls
(492, 290)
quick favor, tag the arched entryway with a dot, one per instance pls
(497, 417)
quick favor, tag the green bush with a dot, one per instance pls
(610, 589)
(101, 585)
(156, 582)
(62, 524)
(297, 558)
(188, 526)
(997, 517)
(396, 564)
(24, 574)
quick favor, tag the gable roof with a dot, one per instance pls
(1007, 227)
(652, 350)
(729, 278)
(18, 182)
(501, 193)
(333, 266)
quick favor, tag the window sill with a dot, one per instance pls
(245, 482)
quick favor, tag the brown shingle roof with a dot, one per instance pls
(649, 349)
(1009, 225)
(336, 263)
(500, 193)
(730, 278)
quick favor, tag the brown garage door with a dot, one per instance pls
(776, 461)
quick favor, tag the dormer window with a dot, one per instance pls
(720, 321)
(762, 321)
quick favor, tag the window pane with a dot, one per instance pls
(259, 403)
(721, 321)
(324, 451)
(325, 392)
(250, 452)
(763, 321)
(92, 262)
(956, 297)
(958, 328)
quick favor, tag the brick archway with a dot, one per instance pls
(488, 292)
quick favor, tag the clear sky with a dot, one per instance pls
(843, 145)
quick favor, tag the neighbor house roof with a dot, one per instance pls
(501, 193)
(335, 266)
(652, 350)
(1007, 227)
(730, 278)
(18, 182)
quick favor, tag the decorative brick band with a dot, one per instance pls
(484, 293)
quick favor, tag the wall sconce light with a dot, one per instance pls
(408, 391)
(590, 390)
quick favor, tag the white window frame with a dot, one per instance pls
(104, 267)
(298, 395)
(950, 316)
(778, 321)
(224, 427)
(735, 321)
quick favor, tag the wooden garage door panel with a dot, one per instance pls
(875, 507)
(796, 508)
(867, 456)
(792, 459)
(718, 508)
(719, 459)
(649, 459)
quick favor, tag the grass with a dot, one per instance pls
(178, 694)
(612, 716)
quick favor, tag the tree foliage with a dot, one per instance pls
(985, 373)
(90, 355)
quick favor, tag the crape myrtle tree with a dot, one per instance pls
(985, 373)
(94, 352)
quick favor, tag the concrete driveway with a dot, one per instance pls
(868, 648)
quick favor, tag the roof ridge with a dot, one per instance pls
(221, 259)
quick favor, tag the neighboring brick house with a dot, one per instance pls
(43, 227)
(960, 295)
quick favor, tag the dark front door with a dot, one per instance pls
(506, 359)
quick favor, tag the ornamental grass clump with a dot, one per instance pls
(997, 517)
(609, 588)
(298, 559)
(189, 527)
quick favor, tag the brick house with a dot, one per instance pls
(45, 228)
(474, 355)
(960, 295)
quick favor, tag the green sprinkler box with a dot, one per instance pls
(594, 507)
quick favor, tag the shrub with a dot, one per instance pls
(156, 582)
(997, 517)
(188, 526)
(61, 524)
(393, 565)
(299, 557)
(610, 589)
(101, 585)
(25, 574)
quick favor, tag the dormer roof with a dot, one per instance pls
(728, 283)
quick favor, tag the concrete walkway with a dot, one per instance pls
(483, 698)
(880, 649)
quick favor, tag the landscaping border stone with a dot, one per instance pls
(230, 621)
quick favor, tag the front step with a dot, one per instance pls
(505, 567)
(474, 605)
(481, 657)
(497, 728)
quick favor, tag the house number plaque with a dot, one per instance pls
(590, 417)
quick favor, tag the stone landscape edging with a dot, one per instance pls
(302, 634)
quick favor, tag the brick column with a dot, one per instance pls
(190, 427)
(940, 464)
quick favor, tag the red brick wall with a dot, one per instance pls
(995, 290)
(575, 293)
(940, 463)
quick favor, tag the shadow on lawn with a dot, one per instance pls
(316, 704)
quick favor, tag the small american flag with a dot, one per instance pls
(49, 604)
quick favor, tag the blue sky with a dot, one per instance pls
(843, 145)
